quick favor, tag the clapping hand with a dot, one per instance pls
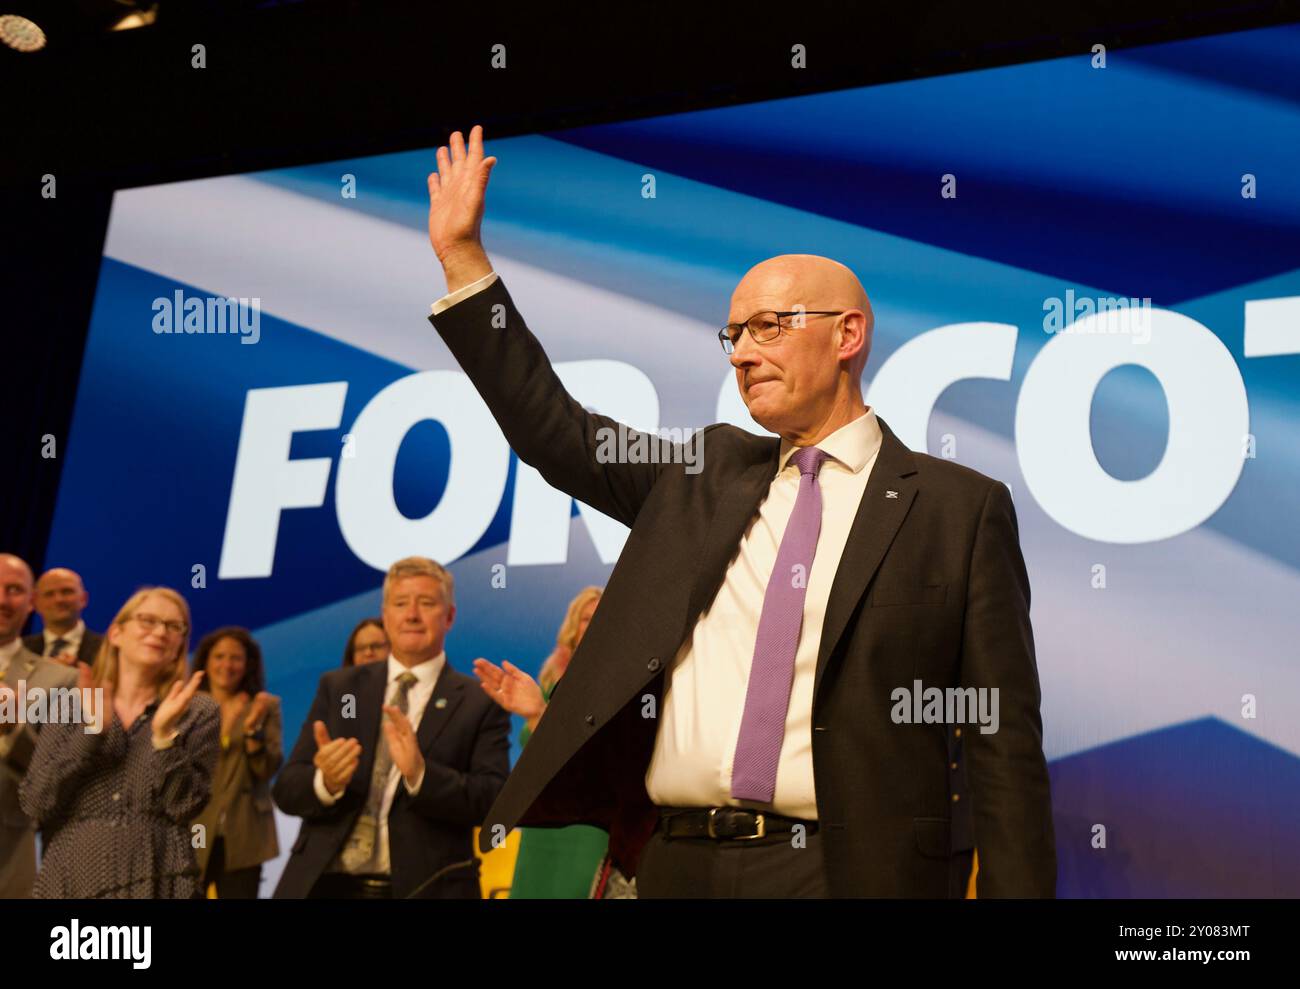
(174, 705)
(510, 687)
(403, 748)
(96, 716)
(231, 714)
(337, 759)
(258, 711)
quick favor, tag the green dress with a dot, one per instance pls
(557, 863)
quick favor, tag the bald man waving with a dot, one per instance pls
(812, 672)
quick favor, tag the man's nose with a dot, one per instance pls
(744, 352)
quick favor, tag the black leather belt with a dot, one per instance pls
(727, 822)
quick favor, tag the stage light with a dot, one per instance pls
(20, 34)
(137, 18)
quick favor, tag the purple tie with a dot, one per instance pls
(762, 728)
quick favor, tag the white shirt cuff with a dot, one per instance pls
(461, 294)
(419, 781)
(322, 794)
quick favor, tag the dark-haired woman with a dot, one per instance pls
(239, 822)
(368, 643)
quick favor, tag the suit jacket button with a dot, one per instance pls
(654, 664)
(590, 719)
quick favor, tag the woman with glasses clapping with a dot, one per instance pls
(114, 793)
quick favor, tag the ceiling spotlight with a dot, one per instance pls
(20, 34)
(137, 18)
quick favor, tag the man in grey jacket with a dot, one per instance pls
(17, 740)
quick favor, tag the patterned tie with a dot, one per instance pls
(771, 675)
(360, 847)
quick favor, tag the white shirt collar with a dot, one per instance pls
(73, 636)
(426, 673)
(852, 445)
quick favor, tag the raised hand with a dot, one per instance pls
(230, 714)
(456, 198)
(337, 759)
(403, 748)
(173, 706)
(510, 687)
(94, 715)
(257, 711)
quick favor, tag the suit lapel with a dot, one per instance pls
(448, 692)
(20, 667)
(885, 503)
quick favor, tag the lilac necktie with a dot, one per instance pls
(762, 727)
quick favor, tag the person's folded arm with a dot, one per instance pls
(1007, 773)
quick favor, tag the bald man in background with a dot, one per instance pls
(17, 741)
(730, 716)
(60, 599)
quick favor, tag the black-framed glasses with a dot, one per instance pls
(764, 327)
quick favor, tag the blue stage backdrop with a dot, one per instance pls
(1086, 280)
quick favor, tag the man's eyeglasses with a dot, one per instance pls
(148, 623)
(764, 327)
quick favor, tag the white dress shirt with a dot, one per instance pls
(426, 678)
(699, 722)
(72, 639)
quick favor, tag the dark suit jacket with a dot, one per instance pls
(931, 586)
(86, 652)
(466, 747)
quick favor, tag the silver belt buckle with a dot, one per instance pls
(758, 819)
